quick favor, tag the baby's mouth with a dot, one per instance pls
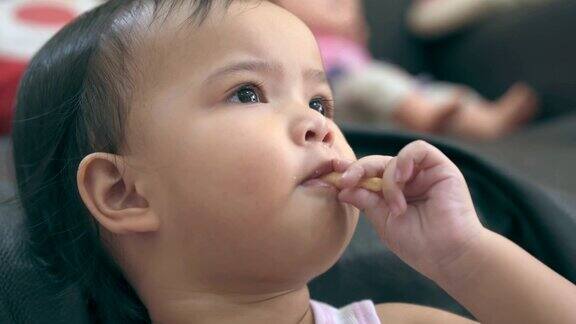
(317, 177)
(317, 182)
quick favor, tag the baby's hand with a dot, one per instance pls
(424, 213)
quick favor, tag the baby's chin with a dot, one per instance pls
(323, 202)
(335, 229)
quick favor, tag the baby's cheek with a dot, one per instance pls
(342, 147)
(235, 192)
(266, 175)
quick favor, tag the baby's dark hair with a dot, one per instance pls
(73, 100)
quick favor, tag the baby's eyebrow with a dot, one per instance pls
(316, 75)
(312, 74)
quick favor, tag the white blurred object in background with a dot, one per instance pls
(26, 25)
(437, 18)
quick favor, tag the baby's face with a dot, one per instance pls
(224, 136)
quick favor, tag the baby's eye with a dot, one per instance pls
(246, 94)
(321, 105)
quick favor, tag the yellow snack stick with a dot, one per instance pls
(372, 184)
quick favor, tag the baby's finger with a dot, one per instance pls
(423, 180)
(392, 191)
(419, 153)
(366, 167)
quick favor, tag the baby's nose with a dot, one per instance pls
(320, 135)
(312, 128)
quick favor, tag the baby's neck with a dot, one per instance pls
(178, 307)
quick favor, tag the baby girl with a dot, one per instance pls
(170, 159)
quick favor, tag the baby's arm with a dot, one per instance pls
(501, 283)
(425, 215)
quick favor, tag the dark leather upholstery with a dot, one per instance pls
(28, 294)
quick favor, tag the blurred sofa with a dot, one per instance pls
(533, 44)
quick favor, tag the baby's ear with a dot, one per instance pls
(107, 187)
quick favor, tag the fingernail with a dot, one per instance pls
(397, 175)
(394, 210)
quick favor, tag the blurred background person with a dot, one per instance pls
(370, 91)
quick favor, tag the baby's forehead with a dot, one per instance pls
(242, 30)
(240, 19)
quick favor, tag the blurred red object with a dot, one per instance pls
(10, 73)
(25, 25)
(47, 14)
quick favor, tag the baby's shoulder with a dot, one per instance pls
(401, 313)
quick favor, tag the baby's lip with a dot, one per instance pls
(320, 170)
